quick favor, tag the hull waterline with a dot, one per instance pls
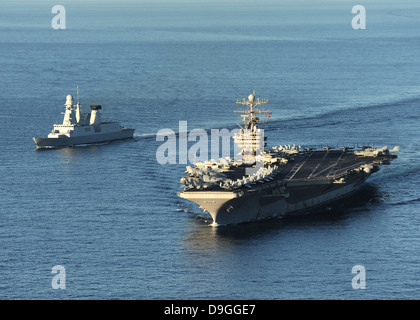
(63, 142)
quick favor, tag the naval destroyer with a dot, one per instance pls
(82, 128)
(277, 181)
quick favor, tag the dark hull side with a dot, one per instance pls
(262, 205)
(309, 180)
(63, 142)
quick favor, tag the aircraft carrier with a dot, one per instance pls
(281, 180)
(80, 128)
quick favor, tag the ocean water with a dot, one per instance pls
(109, 213)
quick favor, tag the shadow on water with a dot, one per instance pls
(332, 214)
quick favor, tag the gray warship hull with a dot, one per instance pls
(311, 180)
(233, 208)
(80, 128)
(65, 141)
(282, 180)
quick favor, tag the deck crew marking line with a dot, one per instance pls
(340, 158)
(322, 171)
(317, 166)
(352, 166)
(303, 162)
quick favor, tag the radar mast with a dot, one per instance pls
(250, 138)
(250, 115)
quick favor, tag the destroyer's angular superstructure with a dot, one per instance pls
(277, 181)
(80, 128)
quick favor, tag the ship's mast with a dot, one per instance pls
(78, 111)
(72, 114)
(251, 139)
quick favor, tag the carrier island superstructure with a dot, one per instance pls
(277, 181)
(80, 128)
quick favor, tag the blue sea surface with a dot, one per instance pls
(110, 213)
